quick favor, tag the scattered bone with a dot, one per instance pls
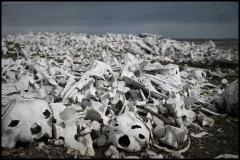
(79, 93)
(227, 156)
(199, 135)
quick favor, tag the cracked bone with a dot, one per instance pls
(24, 120)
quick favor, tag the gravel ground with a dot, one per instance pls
(222, 138)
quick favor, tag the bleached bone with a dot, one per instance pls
(174, 135)
(164, 83)
(94, 125)
(208, 46)
(199, 75)
(184, 115)
(96, 69)
(227, 156)
(152, 154)
(24, 120)
(165, 44)
(87, 141)
(128, 57)
(135, 49)
(112, 150)
(199, 135)
(97, 111)
(229, 99)
(137, 84)
(174, 102)
(21, 84)
(206, 121)
(58, 142)
(68, 131)
(160, 129)
(128, 132)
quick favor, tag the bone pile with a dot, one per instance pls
(109, 90)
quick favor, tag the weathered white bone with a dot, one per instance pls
(159, 130)
(128, 132)
(135, 49)
(112, 150)
(97, 111)
(174, 135)
(152, 154)
(87, 141)
(229, 98)
(206, 121)
(96, 69)
(94, 125)
(174, 102)
(199, 135)
(132, 157)
(22, 119)
(227, 156)
(165, 45)
(68, 131)
(58, 142)
(137, 84)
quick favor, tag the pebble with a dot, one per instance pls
(46, 151)
(206, 152)
(22, 154)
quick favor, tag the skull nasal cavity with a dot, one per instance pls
(124, 141)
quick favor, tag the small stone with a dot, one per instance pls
(22, 154)
(206, 152)
(46, 151)
(101, 140)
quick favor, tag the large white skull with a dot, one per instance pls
(25, 119)
(128, 132)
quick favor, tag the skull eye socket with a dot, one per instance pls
(35, 129)
(141, 136)
(124, 141)
(136, 126)
(13, 123)
(46, 113)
